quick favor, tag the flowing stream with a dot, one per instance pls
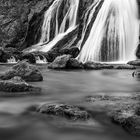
(70, 87)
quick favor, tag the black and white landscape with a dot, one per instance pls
(69, 69)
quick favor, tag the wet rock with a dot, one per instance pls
(25, 70)
(136, 74)
(129, 122)
(123, 110)
(124, 66)
(74, 64)
(97, 66)
(63, 110)
(74, 51)
(4, 56)
(65, 62)
(132, 125)
(51, 55)
(30, 57)
(16, 84)
(60, 62)
(134, 63)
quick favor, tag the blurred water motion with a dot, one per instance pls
(66, 87)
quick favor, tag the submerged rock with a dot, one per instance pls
(16, 84)
(25, 70)
(122, 110)
(128, 120)
(97, 66)
(63, 110)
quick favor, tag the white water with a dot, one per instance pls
(40, 60)
(12, 60)
(113, 36)
(45, 43)
(117, 22)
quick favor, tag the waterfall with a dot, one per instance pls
(113, 36)
(59, 20)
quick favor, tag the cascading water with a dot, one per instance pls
(41, 60)
(65, 22)
(113, 36)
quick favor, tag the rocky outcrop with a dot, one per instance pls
(60, 62)
(65, 62)
(16, 84)
(122, 110)
(15, 17)
(25, 70)
(64, 110)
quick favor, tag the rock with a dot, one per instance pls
(15, 17)
(16, 84)
(63, 110)
(65, 62)
(132, 125)
(25, 70)
(134, 63)
(138, 51)
(51, 55)
(97, 66)
(30, 57)
(74, 51)
(136, 74)
(60, 62)
(124, 66)
(4, 56)
(74, 64)
(137, 111)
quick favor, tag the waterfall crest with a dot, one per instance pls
(113, 36)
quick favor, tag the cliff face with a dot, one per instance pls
(15, 16)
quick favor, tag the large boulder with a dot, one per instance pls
(65, 62)
(60, 62)
(16, 84)
(25, 70)
(63, 110)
